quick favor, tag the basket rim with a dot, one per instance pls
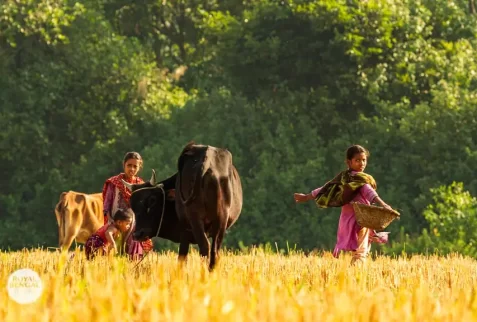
(363, 205)
(374, 217)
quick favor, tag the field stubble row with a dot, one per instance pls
(256, 286)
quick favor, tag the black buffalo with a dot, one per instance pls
(153, 207)
(208, 201)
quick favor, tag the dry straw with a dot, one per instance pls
(255, 286)
(374, 217)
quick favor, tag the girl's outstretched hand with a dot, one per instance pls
(301, 197)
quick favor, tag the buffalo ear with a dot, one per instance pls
(152, 181)
(187, 150)
(180, 163)
(127, 185)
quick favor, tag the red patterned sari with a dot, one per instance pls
(116, 196)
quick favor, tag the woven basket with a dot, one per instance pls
(374, 217)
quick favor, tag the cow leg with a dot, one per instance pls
(60, 237)
(61, 229)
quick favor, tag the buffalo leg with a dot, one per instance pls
(184, 241)
(200, 236)
(217, 241)
(183, 247)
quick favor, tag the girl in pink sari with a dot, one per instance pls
(116, 196)
(352, 185)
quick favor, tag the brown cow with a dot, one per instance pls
(79, 215)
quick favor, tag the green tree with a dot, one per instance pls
(71, 86)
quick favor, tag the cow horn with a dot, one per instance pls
(127, 185)
(152, 181)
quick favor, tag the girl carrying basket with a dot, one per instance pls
(351, 185)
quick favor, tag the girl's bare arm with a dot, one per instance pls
(110, 236)
(380, 201)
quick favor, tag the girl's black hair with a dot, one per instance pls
(355, 149)
(123, 214)
(132, 155)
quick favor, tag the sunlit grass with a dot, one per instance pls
(244, 287)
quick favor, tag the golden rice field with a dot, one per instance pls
(245, 287)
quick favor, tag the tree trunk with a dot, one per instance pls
(472, 7)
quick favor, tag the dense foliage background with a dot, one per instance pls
(287, 86)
